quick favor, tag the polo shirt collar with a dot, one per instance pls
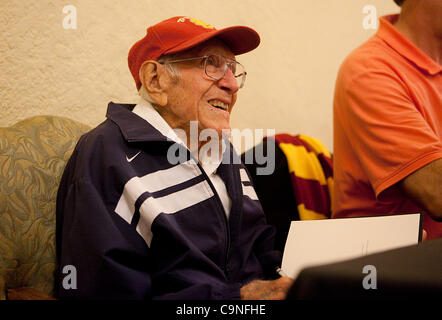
(405, 47)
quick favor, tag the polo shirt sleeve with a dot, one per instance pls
(387, 132)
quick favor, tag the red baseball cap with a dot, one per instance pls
(180, 33)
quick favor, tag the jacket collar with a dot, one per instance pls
(135, 128)
(132, 127)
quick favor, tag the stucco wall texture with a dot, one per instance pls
(47, 69)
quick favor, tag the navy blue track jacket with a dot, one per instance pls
(135, 226)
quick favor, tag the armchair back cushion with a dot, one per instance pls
(33, 154)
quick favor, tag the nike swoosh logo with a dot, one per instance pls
(130, 159)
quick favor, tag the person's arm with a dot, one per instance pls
(388, 133)
(424, 187)
(109, 257)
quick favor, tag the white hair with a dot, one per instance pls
(171, 68)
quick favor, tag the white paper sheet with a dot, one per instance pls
(316, 242)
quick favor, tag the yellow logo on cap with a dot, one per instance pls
(196, 22)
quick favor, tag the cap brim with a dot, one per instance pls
(239, 39)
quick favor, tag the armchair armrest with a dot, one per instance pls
(25, 293)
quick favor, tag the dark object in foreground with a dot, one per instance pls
(413, 272)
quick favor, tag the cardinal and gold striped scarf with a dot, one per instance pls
(311, 172)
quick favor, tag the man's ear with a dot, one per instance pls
(151, 73)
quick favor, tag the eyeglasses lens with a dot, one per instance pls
(216, 67)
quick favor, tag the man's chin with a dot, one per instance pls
(222, 131)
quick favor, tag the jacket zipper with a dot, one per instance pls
(226, 222)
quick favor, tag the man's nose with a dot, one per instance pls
(229, 82)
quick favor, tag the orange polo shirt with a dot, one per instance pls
(387, 124)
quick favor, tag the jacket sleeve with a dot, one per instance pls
(264, 247)
(100, 256)
(269, 258)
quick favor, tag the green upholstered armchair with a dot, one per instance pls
(33, 154)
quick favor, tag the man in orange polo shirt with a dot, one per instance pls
(388, 120)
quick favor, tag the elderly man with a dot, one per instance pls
(136, 224)
(388, 120)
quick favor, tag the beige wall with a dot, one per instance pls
(45, 69)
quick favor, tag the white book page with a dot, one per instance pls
(316, 242)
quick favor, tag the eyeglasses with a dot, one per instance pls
(215, 67)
